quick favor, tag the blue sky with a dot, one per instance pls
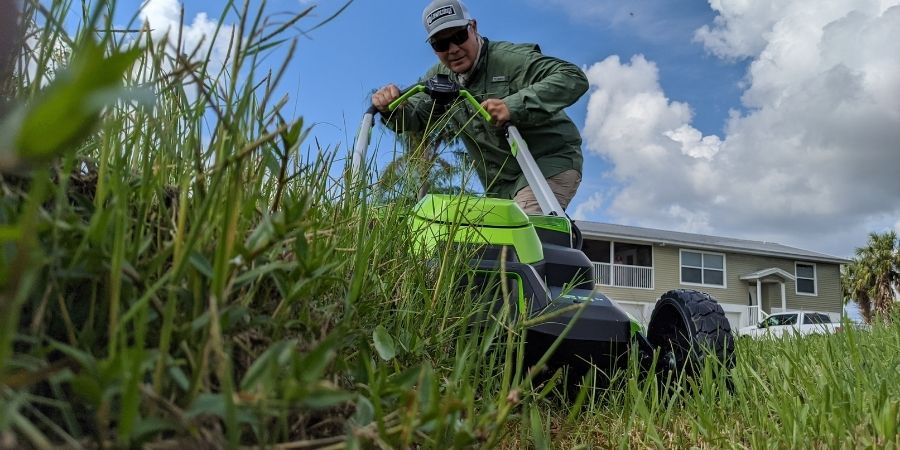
(394, 50)
(764, 120)
(398, 53)
(370, 45)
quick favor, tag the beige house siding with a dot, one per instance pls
(829, 296)
(827, 299)
(666, 266)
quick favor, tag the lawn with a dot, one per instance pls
(180, 267)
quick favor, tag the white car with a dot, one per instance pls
(791, 324)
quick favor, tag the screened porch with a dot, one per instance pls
(620, 264)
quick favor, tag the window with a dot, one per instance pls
(621, 253)
(597, 251)
(632, 254)
(815, 319)
(702, 268)
(779, 320)
(806, 278)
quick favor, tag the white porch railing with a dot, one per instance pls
(756, 314)
(620, 275)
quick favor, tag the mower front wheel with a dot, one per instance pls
(688, 327)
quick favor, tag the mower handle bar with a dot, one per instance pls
(421, 88)
(543, 194)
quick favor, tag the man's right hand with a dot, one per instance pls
(384, 96)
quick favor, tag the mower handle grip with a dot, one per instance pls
(404, 95)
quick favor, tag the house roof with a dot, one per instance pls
(701, 241)
(767, 272)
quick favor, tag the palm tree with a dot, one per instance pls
(873, 278)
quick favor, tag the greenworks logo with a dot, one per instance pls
(438, 13)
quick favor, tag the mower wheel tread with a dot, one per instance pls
(699, 328)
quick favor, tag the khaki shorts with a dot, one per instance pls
(563, 186)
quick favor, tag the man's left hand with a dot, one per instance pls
(497, 109)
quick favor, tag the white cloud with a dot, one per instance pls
(164, 17)
(647, 138)
(589, 206)
(741, 28)
(815, 160)
(693, 143)
(691, 221)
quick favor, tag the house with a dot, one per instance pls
(634, 266)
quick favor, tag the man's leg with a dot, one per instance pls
(563, 185)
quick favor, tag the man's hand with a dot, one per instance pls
(384, 96)
(497, 109)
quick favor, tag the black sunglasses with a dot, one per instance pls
(457, 38)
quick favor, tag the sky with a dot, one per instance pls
(765, 120)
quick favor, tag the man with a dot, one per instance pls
(515, 83)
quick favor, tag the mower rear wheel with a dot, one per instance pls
(688, 327)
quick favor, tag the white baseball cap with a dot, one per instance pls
(443, 14)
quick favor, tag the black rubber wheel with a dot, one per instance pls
(688, 327)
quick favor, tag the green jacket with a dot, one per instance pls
(535, 88)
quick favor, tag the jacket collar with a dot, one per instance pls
(474, 73)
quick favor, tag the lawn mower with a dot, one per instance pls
(545, 273)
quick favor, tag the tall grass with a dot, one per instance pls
(181, 269)
(176, 269)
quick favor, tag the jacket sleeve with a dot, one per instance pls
(547, 85)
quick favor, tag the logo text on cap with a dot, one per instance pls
(443, 11)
